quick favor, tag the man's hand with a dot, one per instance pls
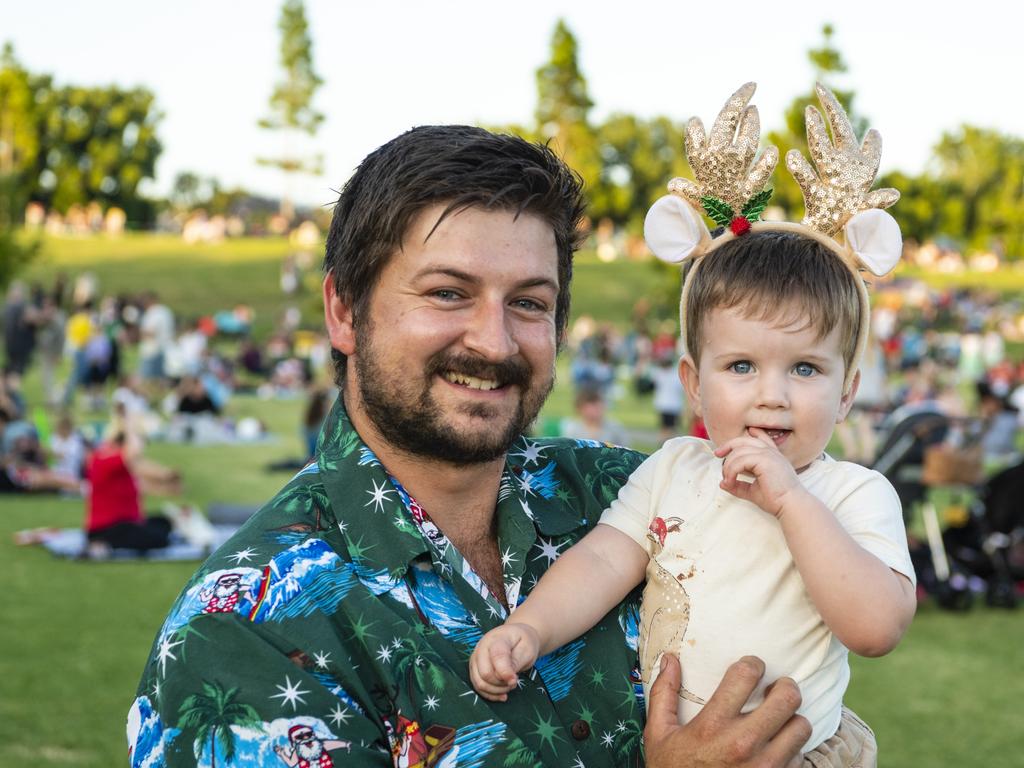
(720, 736)
(498, 658)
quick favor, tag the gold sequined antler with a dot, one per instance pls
(723, 163)
(845, 172)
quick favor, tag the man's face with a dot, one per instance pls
(455, 355)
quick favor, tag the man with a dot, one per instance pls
(426, 515)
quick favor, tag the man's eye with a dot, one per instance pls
(804, 369)
(445, 294)
(741, 366)
(530, 305)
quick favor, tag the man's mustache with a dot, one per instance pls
(514, 371)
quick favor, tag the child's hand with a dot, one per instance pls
(756, 455)
(499, 656)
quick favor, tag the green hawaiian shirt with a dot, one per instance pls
(335, 628)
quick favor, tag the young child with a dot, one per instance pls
(755, 541)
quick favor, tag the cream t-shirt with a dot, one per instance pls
(722, 584)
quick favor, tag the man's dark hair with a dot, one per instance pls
(460, 166)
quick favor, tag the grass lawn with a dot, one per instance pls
(71, 655)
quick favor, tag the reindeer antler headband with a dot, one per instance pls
(729, 188)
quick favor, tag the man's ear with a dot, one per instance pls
(338, 319)
(846, 401)
(691, 383)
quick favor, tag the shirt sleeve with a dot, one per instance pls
(631, 511)
(873, 516)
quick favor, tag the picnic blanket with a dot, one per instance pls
(71, 543)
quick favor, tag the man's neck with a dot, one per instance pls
(460, 499)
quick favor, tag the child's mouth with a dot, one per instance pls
(777, 435)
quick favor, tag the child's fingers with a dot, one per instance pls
(524, 653)
(741, 461)
(503, 663)
(486, 684)
(492, 690)
(481, 663)
(736, 443)
(760, 435)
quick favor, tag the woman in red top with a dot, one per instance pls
(114, 513)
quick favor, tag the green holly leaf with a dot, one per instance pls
(755, 206)
(718, 211)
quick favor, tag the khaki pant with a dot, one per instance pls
(852, 746)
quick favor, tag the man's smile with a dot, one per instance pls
(472, 382)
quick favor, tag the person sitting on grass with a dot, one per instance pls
(117, 476)
(23, 465)
(754, 539)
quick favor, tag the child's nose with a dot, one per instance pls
(773, 392)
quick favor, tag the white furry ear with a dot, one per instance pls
(874, 236)
(673, 230)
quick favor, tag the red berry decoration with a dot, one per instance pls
(740, 225)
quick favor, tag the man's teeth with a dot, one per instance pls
(471, 381)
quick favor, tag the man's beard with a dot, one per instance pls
(408, 417)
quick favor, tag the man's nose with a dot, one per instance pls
(489, 333)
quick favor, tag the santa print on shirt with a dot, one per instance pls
(225, 594)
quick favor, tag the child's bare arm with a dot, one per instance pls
(582, 585)
(866, 604)
(586, 582)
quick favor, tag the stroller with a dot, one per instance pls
(925, 448)
(990, 543)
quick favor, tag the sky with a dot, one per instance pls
(918, 69)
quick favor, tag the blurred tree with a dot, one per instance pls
(19, 147)
(982, 172)
(563, 108)
(19, 140)
(189, 190)
(921, 211)
(291, 102)
(638, 158)
(827, 62)
(96, 143)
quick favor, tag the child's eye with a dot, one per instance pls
(804, 369)
(741, 366)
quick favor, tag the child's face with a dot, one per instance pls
(779, 378)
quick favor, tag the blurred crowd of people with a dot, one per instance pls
(130, 370)
(946, 349)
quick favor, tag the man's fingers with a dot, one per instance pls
(784, 748)
(774, 720)
(739, 682)
(663, 703)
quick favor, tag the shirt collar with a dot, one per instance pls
(378, 527)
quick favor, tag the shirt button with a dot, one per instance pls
(580, 730)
